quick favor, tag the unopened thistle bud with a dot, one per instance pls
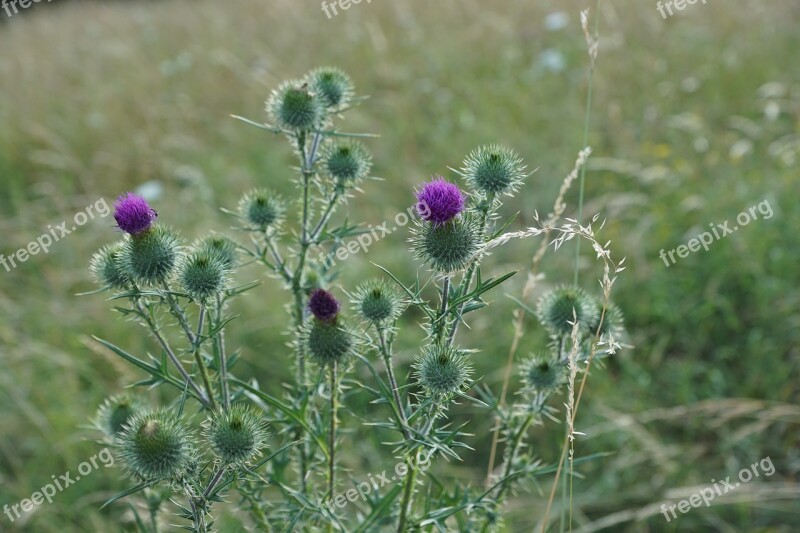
(493, 170)
(261, 209)
(149, 257)
(116, 412)
(442, 370)
(202, 274)
(293, 106)
(346, 162)
(377, 302)
(222, 246)
(133, 214)
(543, 374)
(107, 266)
(449, 246)
(237, 436)
(613, 322)
(555, 310)
(155, 445)
(332, 86)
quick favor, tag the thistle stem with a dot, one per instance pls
(201, 365)
(387, 360)
(408, 491)
(466, 281)
(175, 361)
(332, 443)
(223, 361)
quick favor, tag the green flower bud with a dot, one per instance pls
(222, 246)
(442, 370)
(202, 274)
(542, 374)
(555, 310)
(107, 266)
(328, 341)
(116, 412)
(377, 302)
(237, 436)
(261, 209)
(293, 106)
(332, 86)
(155, 446)
(149, 257)
(449, 246)
(493, 170)
(613, 321)
(346, 162)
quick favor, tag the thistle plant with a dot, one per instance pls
(208, 440)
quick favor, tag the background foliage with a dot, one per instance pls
(100, 98)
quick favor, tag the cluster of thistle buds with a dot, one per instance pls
(158, 274)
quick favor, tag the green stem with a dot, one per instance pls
(223, 361)
(201, 365)
(171, 354)
(466, 281)
(332, 443)
(585, 143)
(408, 491)
(386, 352)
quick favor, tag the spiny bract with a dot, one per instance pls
(238, 435)
(149, 257)
(155, 446)
(442, 370)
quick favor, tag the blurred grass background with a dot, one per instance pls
(695, 119)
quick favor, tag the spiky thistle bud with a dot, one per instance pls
(493, 170)
(442, 370)
(449, 246)
(223, 246)
(107, 266)
(377, 302)
(149, 257)
(613, 322)
(155, 446)
(543, 374)
(237, 436)
(261, 209)
(116, 412)
(293, 106)
(133, 214)
(555, 310)
(439, 201)
(332, 86)
(202, 274)
(346, 162)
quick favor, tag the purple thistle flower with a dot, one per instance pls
(439, 201)
(323, 305)
(133, 214)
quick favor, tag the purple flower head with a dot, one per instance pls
(133, 214)
(323, 305)
(439, 201)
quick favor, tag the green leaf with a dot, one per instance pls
(128, 492)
